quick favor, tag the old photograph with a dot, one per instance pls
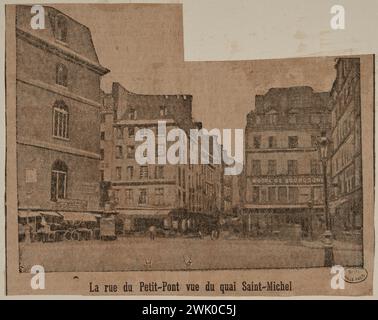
(129, 158)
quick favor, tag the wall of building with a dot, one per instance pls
(36, 64)
(346, 200)
(38, 54)
(34, 180)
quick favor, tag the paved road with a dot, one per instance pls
(179, 254)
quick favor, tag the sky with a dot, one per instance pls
(143, 46)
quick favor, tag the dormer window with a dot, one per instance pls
(61, 28)
(272, 117)
(132, 114)
(163, 111)
(61, 74)
(258, 120)
(293, 117)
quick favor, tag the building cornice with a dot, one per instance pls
(143, 122)
(61, 91)
(286, 127)
(143, 183)
(61, 51)
(280, 150)
(56, 147)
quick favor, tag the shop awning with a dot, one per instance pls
(78, 216)
(145, 213)
(28, 214)
(280, 206)
(50, 213)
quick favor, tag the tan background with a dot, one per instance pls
(222, 30)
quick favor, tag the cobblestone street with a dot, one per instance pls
(181, 254)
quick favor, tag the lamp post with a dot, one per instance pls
(310, 206)
(328, 239)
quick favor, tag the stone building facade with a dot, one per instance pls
(283, 173)
(164, 195)
(58, 115)
(346, 165)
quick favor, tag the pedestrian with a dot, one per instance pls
(152, 231)
(27, 233)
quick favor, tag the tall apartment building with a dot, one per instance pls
(58, 115)
(346, 165)
(166, 195)
(283, 174)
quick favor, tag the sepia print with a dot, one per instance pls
(274, 178)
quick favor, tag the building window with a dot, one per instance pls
(119, 153)
(256, 194)
(272, 118)
(132, 114)
(272, 194)
(119, 173)
(130, 172)
(129, 196)
(315, 118)
(61, 28)
(131, 131)
(272, 143)
(282, 194)
(159, 196)
(272, 167)
(314, 141)
(256, 167)
(101, 175)
(119, 133)
(292, 118)
(257, 142)
(142, 196)
(61, 75)
(317, 195)
(60, 120)
(263, 195)
(102, 154)
(143, 173)
(293, 194)
(102, 135)
(293, 142)
(130, 152)
(184, 177)
(292, 167)
(315, 166)
(159, 172)
(258, 119)
(163, 111)
(58, 180)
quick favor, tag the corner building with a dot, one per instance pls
(58, 116)
(346, 164)
(167, 196)
(283, 172)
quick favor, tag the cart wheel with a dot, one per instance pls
(68, 235)
(75, 235)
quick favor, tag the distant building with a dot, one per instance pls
(283, 175)
(346, 166)
(168, 195)
(58, 109)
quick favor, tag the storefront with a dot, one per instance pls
(347, 217)
(139, 220)
(279, 221)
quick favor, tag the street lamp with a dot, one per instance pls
(310, 206)
(328, 240)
